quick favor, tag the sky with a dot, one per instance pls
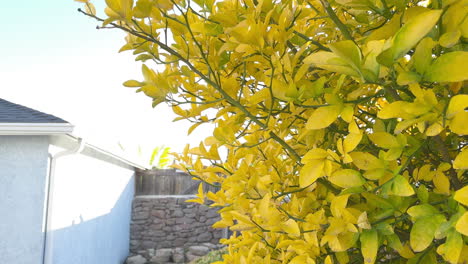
(53, 59)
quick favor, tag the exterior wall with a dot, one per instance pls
(170, 222)
(91, 211)
(23, 170)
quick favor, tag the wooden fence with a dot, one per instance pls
(167, 182)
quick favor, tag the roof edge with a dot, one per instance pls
(35, 128)
(68, 141)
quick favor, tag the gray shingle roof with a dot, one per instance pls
(15, 113)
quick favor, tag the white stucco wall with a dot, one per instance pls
(23, 170)
(91, 211)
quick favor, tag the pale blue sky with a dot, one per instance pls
(53, 59)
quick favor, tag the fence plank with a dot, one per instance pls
(166, 182)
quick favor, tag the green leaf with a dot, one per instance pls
(423, 230)
(462, 224)
(330, 61)
(394, 242)
(422, 57)
(386, 57)
(419, 211)
(413, 31)
(143, 8)
(369, 245)
(423, 194)
(449, 39)
(347, 178)
(405, 78)
(450, 67)
(348, 51)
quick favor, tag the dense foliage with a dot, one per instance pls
(344, 121)
(213, 256)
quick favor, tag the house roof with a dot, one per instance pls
(15, 113)
(16, 119)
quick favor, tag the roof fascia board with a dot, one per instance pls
(68, 141)
(35, 128)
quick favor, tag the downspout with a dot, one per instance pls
(48, 234)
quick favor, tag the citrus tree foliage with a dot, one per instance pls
(344, 121)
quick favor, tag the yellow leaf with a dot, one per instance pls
(374, 174)
(405, 78)
(441, 183)
(133, 83)
(252, 252)
(264, 205)
(310, 173)
(323, 117)
(365, 161)
(314, 154)
(449, 67)
(449, 39)
(425, 173)
(347, 178)
(90, 9)
(413, 31)
(458, 124)
(200, 196)
(143, 8)
(224, 134)
(351, 142)
(338, 204)
(461, 196)
(462, 224)
(457, 104)
(331, 62)
(387, 31)
(363, 221)
(347, 113)
(291, 227)
(401, 186)
(349, 52)
(394, 110)
(464, 255)
(452, 247)
(328, 260)
(434, 129)
(369, 245)
(192, 128)
(384, 140)
(298, 260)
(120, 6)
(223, 223)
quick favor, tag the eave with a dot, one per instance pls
(35, 128)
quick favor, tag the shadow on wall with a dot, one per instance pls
(101, 240)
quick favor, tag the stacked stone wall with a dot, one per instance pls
(161, 222)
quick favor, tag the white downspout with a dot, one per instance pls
(48, 234)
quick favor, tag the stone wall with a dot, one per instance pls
(169, 222)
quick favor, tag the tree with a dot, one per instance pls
(344, 121)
